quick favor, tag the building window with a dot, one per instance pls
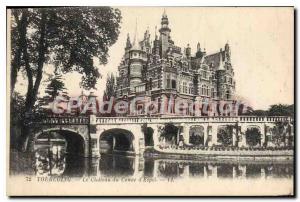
(168, 81)
(173, 84)
(228, 96)
(121, 90)
(205, 90)
(184, 87)
(191, 89)
(180, 87)
(150, 84)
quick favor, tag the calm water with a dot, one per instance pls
(57, 163)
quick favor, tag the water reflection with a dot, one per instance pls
(55, 162)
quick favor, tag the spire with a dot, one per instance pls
(155, 32)
(227, 46)
(164, 14)
(227, 52)
(128, 43)
(198, 47)
(164, 19)
(135, 43)
(147, 33)
(221, 65)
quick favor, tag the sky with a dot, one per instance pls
(261, 42)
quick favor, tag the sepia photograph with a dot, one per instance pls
(150, 101)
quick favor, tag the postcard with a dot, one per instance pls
(150, 101)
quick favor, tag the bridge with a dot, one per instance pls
(93, 135)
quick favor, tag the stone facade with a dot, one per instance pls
(159, 70)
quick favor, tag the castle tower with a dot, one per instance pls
(227, 52)
(136, 58)
(199, 52)
(221, 77)
(188, 51)
(164, 34)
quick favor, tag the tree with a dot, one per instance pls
(274, 110)
(110, 90)
(17, 104)
(69, 38)
(169, 132)
(55, 87)
(253, 136)
(225, 135)
(279, 133)
(281, 110)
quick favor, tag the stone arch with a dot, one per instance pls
(75, 141)
(253, 135)
(117, 140)
(196, 135)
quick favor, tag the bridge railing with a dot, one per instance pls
(132, 120)
(63, 120)
(113, 120)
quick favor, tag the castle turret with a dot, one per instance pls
(128, 43)
(188, 51)
(199, 53)
(227, 52)
(137, 57)
(221, 64)
(164, 34)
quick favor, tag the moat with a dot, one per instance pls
(56, 163)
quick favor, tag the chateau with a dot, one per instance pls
(160, 70)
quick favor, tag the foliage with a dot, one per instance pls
(55, 87)
(274, 110)
(253, 136)
(110, 90)
(17, 104)
(169, 131)
(281, 110)
(279, 132)
(69, 38)
(148, 135)
(225, 135)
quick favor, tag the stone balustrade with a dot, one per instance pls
(191, 119)
(64, 120)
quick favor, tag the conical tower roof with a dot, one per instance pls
(135, 43)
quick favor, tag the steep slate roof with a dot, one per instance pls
(214, 59)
